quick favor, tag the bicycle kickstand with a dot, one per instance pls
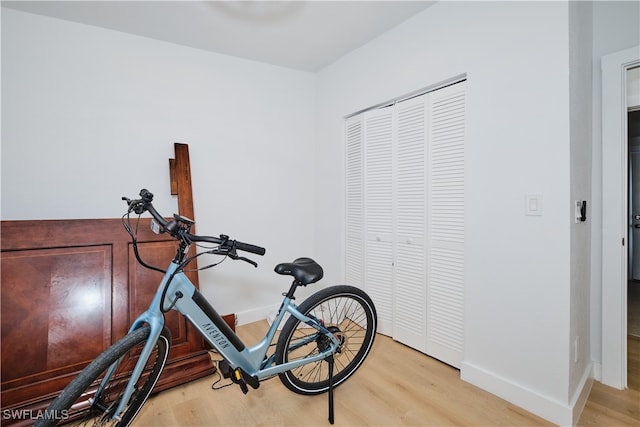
(330, 361)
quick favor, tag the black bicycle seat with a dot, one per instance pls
(304, 270)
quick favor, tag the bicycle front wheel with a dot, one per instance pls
(346, 311)
(77, 401)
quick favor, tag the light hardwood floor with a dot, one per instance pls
(633, 362)
(396, 386)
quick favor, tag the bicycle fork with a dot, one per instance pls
(155, 319)
(156, 325)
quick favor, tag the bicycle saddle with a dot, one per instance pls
(304, 270)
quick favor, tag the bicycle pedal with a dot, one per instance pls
(237, 378)
(242, 378)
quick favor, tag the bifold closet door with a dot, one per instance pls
(410, 213)
(378, 213)
(446, 223)
(405, 218)
(354, 221)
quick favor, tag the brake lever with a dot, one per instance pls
(250, 261)
(230, 251)
(136, 206)
(234, 256)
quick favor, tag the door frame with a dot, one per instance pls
(614, 215)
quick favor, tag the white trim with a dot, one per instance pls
(431, 88)
(597, 371)
(581, 396)
(614, 221)
(255, 315)
(544, 406)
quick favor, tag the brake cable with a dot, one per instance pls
(134, 241)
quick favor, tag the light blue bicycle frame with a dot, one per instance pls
(182, 296)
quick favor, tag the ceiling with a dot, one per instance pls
(304, 35)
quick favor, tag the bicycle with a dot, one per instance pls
(335, 326)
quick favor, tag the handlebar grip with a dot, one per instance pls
(250, 248)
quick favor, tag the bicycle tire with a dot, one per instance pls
(76, 403)
(345, 310)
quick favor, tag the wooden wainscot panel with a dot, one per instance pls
(56, 306)
(70, 288)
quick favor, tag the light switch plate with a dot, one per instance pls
(533, 205)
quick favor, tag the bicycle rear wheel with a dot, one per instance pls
(77, 401)
(346, 311)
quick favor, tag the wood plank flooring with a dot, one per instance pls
(633, 362)
(396, 386)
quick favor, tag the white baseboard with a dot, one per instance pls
(581, 395)
(254, 315)
(597, 371)
(543, 406)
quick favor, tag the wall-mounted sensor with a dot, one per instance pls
(581, 211)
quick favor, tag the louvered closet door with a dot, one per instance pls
(405, 218)
(409, 322)
(378, 203)
(354, 265)
(445, 284)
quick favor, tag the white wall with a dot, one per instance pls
(90, 115)
(516, 56)
(580, 46)
(616, 26)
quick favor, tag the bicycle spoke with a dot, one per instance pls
(79, 399)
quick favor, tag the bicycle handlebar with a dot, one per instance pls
(173, 227)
